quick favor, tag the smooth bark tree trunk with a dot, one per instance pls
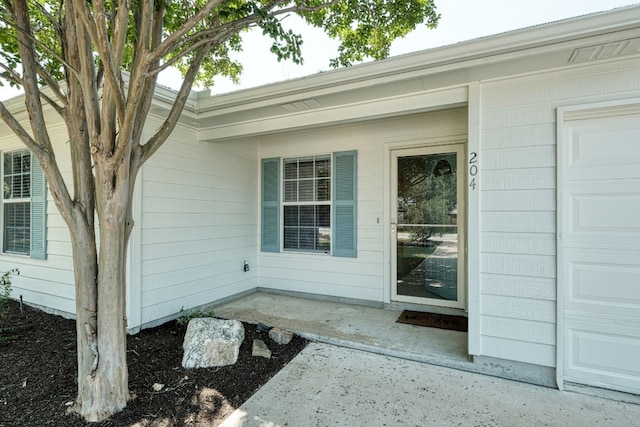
(101, 319)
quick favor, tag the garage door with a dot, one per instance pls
(599, 246)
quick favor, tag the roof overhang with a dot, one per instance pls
(419, 81)
(412, 83)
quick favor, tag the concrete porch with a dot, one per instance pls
(372, 329)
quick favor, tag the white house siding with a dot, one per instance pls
(362, 277)
(198, 224)
(518, 201)
(47, 283)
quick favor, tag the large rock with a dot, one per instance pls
(212, 342)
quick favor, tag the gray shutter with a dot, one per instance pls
(38, 212)
(345, 213)
(270, 205)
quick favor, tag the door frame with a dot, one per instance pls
(450, 146)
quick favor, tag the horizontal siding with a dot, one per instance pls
(521, 351)
(518, 202)
(199, 224)
(46, 283)
(518, 265)
(362, 277)
(520, 330)
(524, 287)
(518, 243)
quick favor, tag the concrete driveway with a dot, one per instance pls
(326, 385)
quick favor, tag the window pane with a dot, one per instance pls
(7, 186)
(307, 216)
(323, 167)
(291, 216)
(306, 191)
(305, 167)
(291, 238)
(26, 186)
(17, 229)
(323, 216)
(291, 169)
(291, 191)
(17, 178)
(8, 164)
(323, 191)
(307, 238)
(324, 239)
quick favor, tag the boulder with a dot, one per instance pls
(260, 349)
(212, 342)
(280, 336)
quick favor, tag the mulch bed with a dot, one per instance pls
(38, 374)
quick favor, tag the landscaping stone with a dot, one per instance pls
(211, 342)
(260, 349)
(280, 336)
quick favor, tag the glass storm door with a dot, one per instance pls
(428, 249)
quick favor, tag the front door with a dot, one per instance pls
(428, 226)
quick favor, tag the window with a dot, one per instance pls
(316, 197)
(23, 213)
(307, 204)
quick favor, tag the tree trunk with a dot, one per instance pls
(101, 320)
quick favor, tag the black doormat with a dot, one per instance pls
(434, 320)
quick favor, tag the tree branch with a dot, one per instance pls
(167, 44)
(99, 38)
(156, 141)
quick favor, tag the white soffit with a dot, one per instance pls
(606, 51)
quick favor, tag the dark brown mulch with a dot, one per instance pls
(38, 370)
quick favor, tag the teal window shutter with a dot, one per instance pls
(270, 205)
(345, 204)
(38, 212)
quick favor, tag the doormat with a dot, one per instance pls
(434, 320)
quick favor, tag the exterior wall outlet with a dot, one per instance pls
(246, 266)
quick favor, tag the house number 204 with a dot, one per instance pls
(473, 170)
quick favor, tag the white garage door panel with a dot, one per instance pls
(616, 366)
(605, 283)
(586, 158)
(599, 246)
(603, 213)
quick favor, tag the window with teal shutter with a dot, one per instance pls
(345, 204)
(24, 205)
(317, 196)
(270, 205)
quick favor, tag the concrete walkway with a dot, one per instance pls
(364, 369)
(327, 385)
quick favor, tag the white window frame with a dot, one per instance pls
(6, 201)
(284, 203)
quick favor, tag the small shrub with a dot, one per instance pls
(5, 292)
(184, 318)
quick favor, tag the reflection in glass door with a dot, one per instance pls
(428, 236)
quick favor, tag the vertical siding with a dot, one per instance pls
(361, 277)
(199, 223)
(518, 202)
(48, 283)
